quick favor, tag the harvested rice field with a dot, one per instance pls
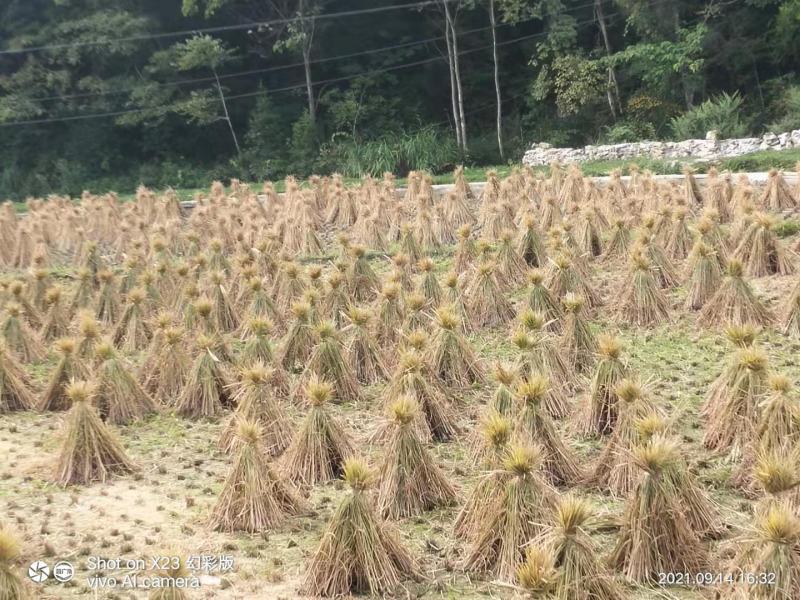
(551, 387)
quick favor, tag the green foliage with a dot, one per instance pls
(428, 149)
(762, 161)
(722, 114)
(303, 145)
(788, 111)
(786, 228)
(658, 63)
(576, 83)
(628, 130)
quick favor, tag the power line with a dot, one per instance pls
(260, 71)
(293, 87)
(221, 28)
(119, 91)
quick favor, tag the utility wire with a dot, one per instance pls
(298, 86)
(177, 82)
(119, 91)
(238, 27)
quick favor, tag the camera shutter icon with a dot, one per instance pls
(38, 571)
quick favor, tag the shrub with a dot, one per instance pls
(788, 107)
(428, 149)
(723, 114)
(629, 130)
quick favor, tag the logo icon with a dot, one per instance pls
(38, 571)
(63, 571)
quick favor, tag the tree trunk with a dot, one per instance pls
(493, 21)
(450, 66)
(312, 108)
(612, 88)
(309, 24)
(225, 110)
(462, 122)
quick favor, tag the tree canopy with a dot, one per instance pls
(109, 94)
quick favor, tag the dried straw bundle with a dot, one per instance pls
(19, 337)
(776, 476)
(464, 256)
(83, 293)
(107, 306)
(451, 357)
(656, 536)
(11, 587)
(778, 427)
(413, 378)
(734, 303)
(362, 281)
(299, 341)
(15, 390)
(416, 313)
(409, 482)
(641, 301)
(503, 398)
(320, 446)
(580, 575)
(491, 442)
(664, 270)
(258, 305)
(534, 426)
(589, 240)
(600, 417)
(223, 313)
(760, 251)
(732, 404)
(791, 314)
(487, 304)
(358, 552)
(254, 498)
(119, 397)
(578, 342)
(564, 277)
(257, 345)
(690, 189)
(89, 452)
(615, 470)
(390, 315)
(70, 367)
(363, 355)
(529, 245)
(169, 368)
(327, 362)
(206, 392)
(455, 299)
(511, 267)
(540, 300)
(27, 310)
(255, 403)
(540, 356)
(777, 195)
(619, 244)
(336, 299)
(429, 286)
(56, 319)
(133, 332)
(679, 240)
(512, 517)
(706, 276)
(537, 575)
(770, 549)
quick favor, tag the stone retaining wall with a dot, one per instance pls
(710, 148)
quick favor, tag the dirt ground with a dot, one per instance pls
(162, 509)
